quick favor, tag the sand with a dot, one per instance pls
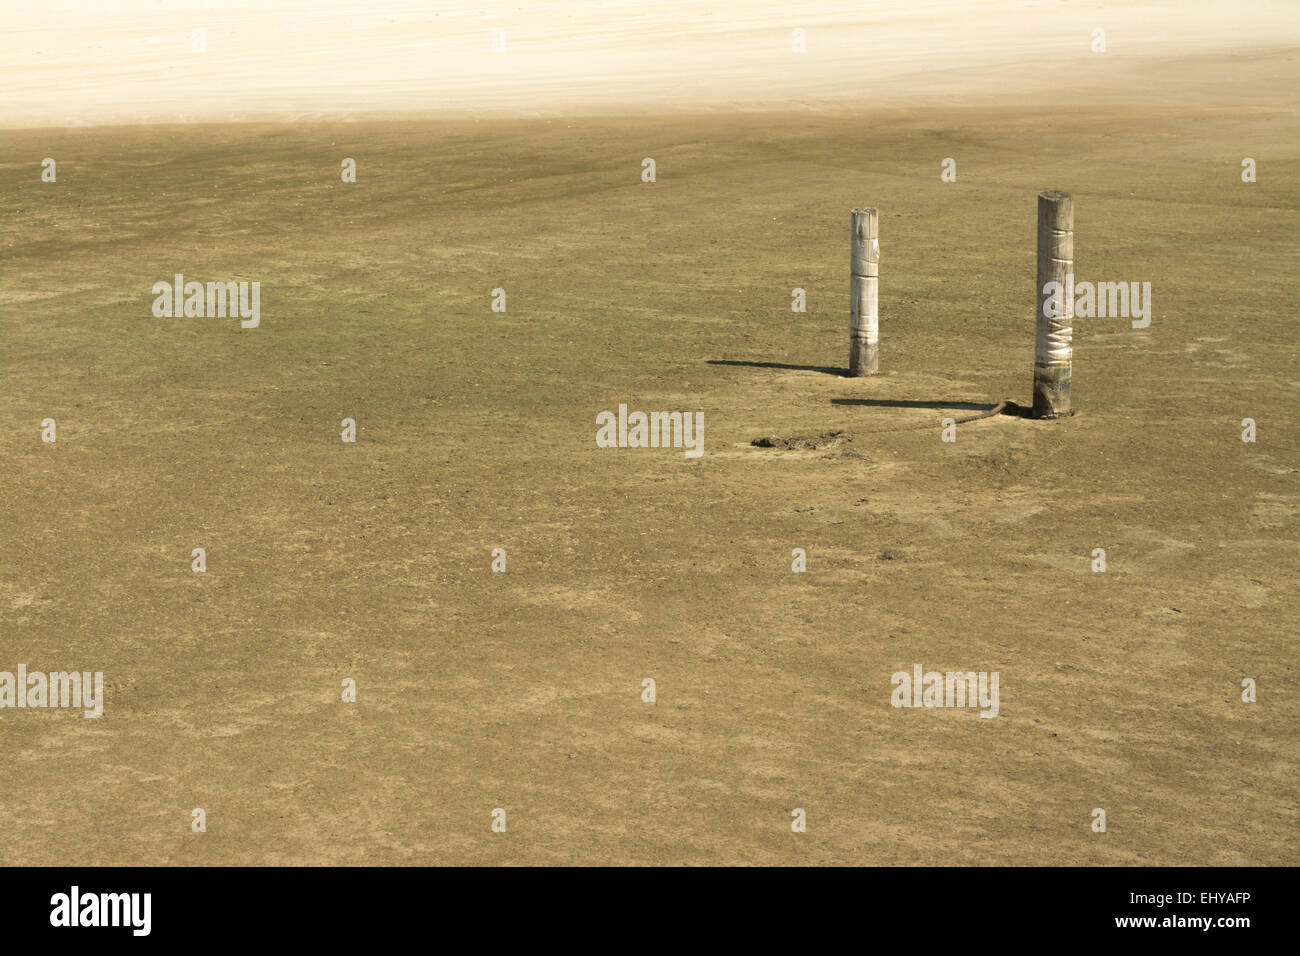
(522, 691)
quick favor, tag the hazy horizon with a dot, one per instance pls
(70, 64)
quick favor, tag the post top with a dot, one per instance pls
(866, 222)
(1056, 210)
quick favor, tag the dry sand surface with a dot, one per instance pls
(476, 690)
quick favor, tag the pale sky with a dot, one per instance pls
(83, 62)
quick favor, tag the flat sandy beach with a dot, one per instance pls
(523, 691)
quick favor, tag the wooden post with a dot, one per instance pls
(864, 272)
(1053, 345)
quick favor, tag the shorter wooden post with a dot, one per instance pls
(864, 276)
(1053, 339)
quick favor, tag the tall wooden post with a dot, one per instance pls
(1053, 345)
(864, 273)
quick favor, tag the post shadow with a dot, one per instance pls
(821, 369)
(1009, 408)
